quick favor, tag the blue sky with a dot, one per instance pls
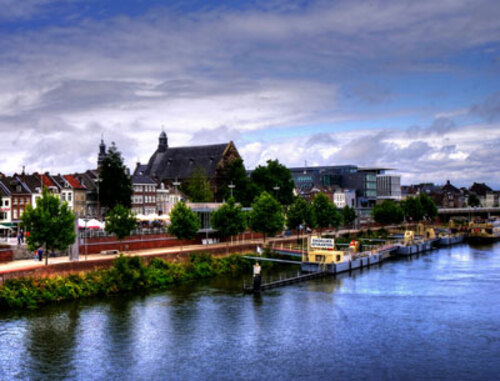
(407, 85)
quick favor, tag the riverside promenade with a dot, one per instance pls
(89, 262)
(63, 265)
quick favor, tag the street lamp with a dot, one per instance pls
(176, 183)
(231, 187)
(276, 189)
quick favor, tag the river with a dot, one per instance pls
(432, 317)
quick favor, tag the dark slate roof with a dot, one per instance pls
(86, 180)
(4, 190)
(32, 181)
(142, 179)
(480, 189)
(140, 169)
(448, 187)
(13, 182)
(179, 162)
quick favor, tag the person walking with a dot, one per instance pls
(40, 254)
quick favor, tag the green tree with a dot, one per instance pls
(388, 212)
(473, 200)
(299, 213)
(325, 211)
(234, 173)
(51, 224)
(348, 215)
(184, 223)
(229, 219)
(274, 174)
(197, 187)
(115, 185)
(267, 215)
(120, 221)
(413, 209)
(429, 207)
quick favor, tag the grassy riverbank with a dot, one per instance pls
(126, 275)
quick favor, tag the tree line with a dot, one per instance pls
(267, 216)
(412, 209)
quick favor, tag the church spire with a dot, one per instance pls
(102, 152)
(163, 142)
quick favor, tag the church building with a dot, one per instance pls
(176, 164)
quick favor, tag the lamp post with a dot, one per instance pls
(276, 189)
(176, 183)
(98, 180)
(231, 187)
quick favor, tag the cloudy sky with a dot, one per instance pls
(408, 85)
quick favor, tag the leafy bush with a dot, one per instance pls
(126, 274)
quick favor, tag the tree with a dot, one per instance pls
(51, 224)
(325, 211)
(473, 200)
(387, 213)
(115, 185)
(120, 221)
(184, 223)
(266, 178)
(267, 215)
(299, 213)
(229, 219)
(197, 186)
(413, 210)
(348, 215)
(244, 190)
(428, 206)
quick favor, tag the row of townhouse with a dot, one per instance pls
(19, 190)
(450, 196)
(80, 191)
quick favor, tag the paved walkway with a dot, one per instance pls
(30, 264)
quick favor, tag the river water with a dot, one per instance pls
(434, 317)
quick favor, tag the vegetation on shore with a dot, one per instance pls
(127, 274)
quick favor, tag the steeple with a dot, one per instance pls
(163, 142)
(102, 152)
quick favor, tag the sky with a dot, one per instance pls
(409, 85)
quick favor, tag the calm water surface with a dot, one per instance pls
(435, 317)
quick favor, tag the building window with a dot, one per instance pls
(15, 213)
(69, 196)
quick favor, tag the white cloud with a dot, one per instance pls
(222, 74)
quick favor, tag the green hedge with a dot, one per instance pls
(126, 274)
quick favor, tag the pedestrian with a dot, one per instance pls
(35, 255)
(40, 254)
(18, 238)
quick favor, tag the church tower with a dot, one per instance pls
(163, 142)
(102, 153)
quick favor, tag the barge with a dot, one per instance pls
(321, 256)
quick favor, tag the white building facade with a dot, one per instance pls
(389, 187)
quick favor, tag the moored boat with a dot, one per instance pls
(484, 232)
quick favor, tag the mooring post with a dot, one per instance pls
(257, 280)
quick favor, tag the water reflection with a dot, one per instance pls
(50, 341)
(431, 317)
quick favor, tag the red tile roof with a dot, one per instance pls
(47, 181)
(73, 182)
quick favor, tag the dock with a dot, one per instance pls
(287, 281)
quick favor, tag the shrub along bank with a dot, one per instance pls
(127, 274)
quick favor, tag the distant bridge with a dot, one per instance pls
(467, 212)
